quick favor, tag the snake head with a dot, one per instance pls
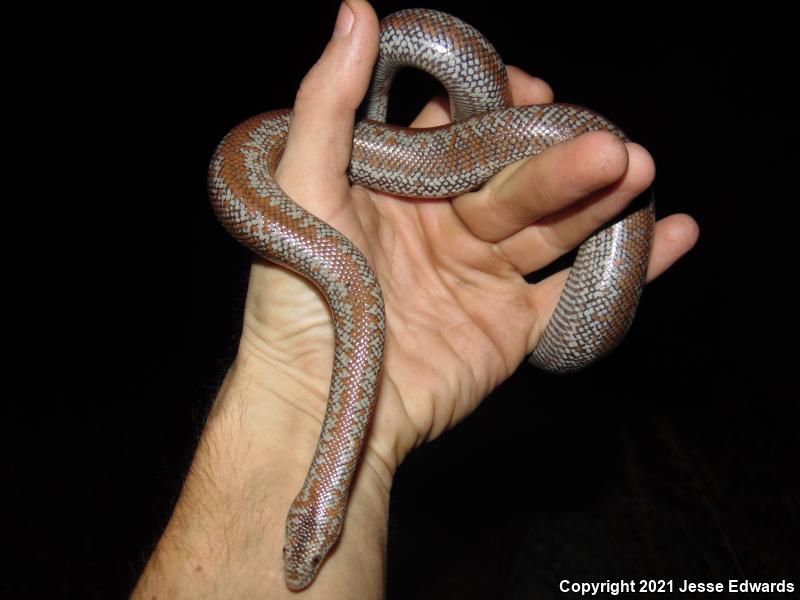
(308, 541)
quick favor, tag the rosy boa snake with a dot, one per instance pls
(593, 313)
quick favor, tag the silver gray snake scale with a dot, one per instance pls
(592, 315)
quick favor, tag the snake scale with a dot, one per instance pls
(593, 313)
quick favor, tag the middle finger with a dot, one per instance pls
(542, 185)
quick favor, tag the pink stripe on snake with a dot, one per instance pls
(592, 315)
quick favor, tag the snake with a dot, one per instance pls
(487, 133)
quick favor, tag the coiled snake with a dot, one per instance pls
(592, 315)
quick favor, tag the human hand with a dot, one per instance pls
(460, 316)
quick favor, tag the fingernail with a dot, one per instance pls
(344, 22)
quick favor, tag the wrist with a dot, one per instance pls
(285, 391)
(277, 411)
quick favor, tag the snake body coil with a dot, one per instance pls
(593, 313)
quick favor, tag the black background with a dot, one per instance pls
(674, 458)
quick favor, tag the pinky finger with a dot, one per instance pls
(674, 236)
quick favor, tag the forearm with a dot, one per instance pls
(227, 531)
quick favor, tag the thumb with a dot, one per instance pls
(314, 165)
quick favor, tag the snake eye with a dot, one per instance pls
(316, 559)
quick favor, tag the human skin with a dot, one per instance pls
(460, 319)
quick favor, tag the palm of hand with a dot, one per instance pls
(459, 315)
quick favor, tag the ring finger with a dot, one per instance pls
(584, 208)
